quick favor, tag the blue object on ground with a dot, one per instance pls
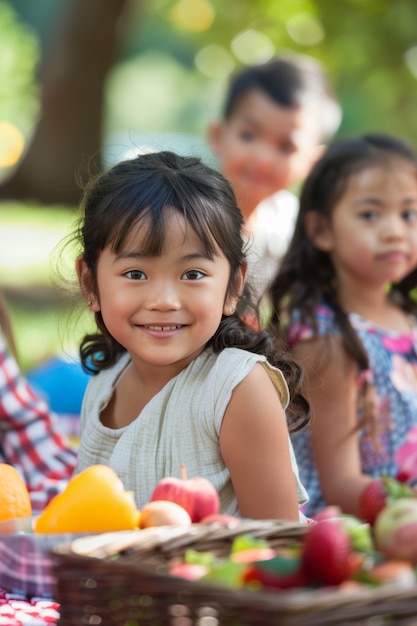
(61, 382)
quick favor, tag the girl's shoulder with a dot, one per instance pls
(243, 361)
(232, 359)
(323, 324)
(228, 368)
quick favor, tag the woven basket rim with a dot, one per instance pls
(72, 561)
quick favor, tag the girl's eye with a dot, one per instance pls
(192, 275)
(135, 275)
(410, 215)
(369, 216)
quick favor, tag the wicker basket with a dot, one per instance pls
(121, 579)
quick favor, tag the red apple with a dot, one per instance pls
(196, 495)
(163, 513)
(395, 530)
(222, 519)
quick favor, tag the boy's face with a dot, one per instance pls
(264, 147)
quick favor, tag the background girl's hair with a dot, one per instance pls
(306, 277)
(140, 192)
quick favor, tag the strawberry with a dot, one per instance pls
(328, 557)
(377, 493)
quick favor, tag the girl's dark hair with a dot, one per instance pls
(142, 191)
(306, 276)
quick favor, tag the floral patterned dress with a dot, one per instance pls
(393, 372)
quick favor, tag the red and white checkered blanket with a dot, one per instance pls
(17, 610)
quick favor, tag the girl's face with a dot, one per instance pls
(372, 232)
(163, 309)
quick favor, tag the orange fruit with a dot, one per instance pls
(14, 496)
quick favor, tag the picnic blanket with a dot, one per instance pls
(18, 610)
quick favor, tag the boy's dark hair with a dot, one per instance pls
(291, 81)
(141, 192)
(306, 277)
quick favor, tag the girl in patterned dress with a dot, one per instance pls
(345, 296)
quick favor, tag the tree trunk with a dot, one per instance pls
(67, 139)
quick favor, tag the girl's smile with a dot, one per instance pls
(161, 330)
(163, 309)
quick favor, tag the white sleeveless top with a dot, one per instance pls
(179, 425)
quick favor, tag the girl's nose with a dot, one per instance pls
(163, 296)
(394, 227)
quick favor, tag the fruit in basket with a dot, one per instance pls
(222, 519)
(284, 571)
(328, 556)
(328, 512)
(372, 500)
(377, 494)
(163, 513)
(393, 571)
(196, 495)
(190, 571)
(226, 573)
(395, 530)
(250, 555)
(94, 500)
(14, 497)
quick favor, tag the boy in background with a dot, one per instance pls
(277, 117)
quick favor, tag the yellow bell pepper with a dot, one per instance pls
(94, 500)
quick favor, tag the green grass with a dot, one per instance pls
(29, 257)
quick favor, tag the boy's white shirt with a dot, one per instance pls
(272, 227)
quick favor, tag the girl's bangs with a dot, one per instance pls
(150, 224)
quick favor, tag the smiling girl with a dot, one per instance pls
(179, 377)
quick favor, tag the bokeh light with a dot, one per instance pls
(195, 15)
(252, 47)
(305, 29)
(410, 59)
(214, 61)
(12, 143)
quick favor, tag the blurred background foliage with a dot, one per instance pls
(166, 85)
(176, 56)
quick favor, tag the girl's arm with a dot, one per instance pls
(255, 447)
(332, 392)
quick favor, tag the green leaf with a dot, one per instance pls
(244, 542)
(226, 573)
(359, 533)
(201, 558)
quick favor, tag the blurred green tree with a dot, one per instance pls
(126, 65)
